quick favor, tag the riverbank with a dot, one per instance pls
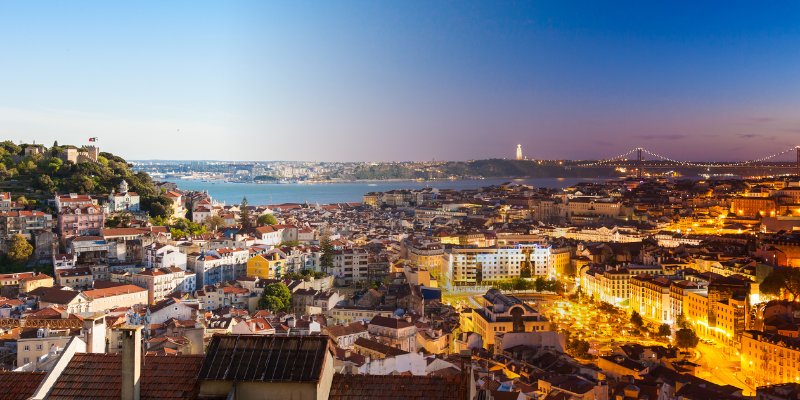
(347, 192)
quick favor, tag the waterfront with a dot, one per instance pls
(322, 193)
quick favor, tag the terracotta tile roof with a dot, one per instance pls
(265, 358)
(55, 295)
(394, 323)
(19, 385)
(393, 387)
(113, 291)
(372, 345)
(98, 376)
(336, 331)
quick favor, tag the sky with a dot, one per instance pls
(403, 80)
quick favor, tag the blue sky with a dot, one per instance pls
(410, 80)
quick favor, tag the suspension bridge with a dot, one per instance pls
(640, 158)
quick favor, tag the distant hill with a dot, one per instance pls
(40, 172)
(491, 168)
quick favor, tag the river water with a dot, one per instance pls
(326, 193)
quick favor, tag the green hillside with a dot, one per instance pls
(37, 177)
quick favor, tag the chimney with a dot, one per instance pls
(131, 361)
(468, 386)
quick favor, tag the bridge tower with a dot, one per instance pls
(797, 148)
(639, 162)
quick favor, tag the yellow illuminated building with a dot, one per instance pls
(502, 313)
(769, 358)
(266, 266)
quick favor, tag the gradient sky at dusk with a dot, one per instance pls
(403, 80)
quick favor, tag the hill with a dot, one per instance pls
(491, 168)
(37, 173)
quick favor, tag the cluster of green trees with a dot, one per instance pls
(276, 298)
(304, 275)
(266, 219)
(42, 175)
(182, 227)
(539, 284)
(577, 347)
(782, 281)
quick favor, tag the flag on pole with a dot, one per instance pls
(92, 139)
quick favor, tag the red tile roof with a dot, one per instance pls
(98, 376)
(393, 387)
(19, 385)
(113, 291)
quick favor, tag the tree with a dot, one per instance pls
(782, 281)
(681, 321)
(120, 220)
(539, 284)
(244, 214)
(276, 297)
(636, 319)
(20, 250)
(578, 348)
(664, 330)
(214, 221)
(686, 339)
(326, 258)
(266, 219)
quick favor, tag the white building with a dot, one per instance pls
(158, 255)
(472, 265)
(220, 265)
(123, 200)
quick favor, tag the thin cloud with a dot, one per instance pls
(669, 136)
(755, 136)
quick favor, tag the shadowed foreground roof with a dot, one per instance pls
(265, 358)
(98, 376)
(19, 385)
(394, 387)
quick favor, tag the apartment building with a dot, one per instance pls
(770, 358)
(503, 313)
(351, 265)
(475, 265)
(650, 297)
(220, 265)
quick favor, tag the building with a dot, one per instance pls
(220, 265)
(607, 285)
(123, 200)
(101, 300)
(519, 152)
(469, 266)
(351, 265)
(350, 314)
(268, 374)
(502, 313)
(770, 358)
(26, 223)
(80, 220)
(394, 332)
(73, 200)
(270, 265)
(157, 255)
(650, 297)
(346, 335)
(162, 282)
